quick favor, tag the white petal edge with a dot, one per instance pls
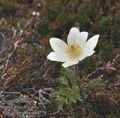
(69, 63)
(57, 45)
(56, 57)
(86, 54)
(92, 42)
(82, 38)
(72, 36)
(52, 56)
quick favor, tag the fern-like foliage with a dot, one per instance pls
(68, 91)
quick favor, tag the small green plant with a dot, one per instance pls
(68, 93)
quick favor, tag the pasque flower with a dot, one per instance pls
(76, 49)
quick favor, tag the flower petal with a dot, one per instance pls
(58, 45)
(52, 56)
(85, 54)
(72, 36)
(92, 42)
(57, 57)
(82, 37)
(69, 63)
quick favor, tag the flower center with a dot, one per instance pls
(73, 51)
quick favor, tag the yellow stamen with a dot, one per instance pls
(73, 51)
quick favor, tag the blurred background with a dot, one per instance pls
(42, 19)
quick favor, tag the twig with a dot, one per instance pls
(108, 66)
(59, 114)
(19, 39)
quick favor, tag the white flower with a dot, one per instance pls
(76, 49)
(38, 14)
(34, 13)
